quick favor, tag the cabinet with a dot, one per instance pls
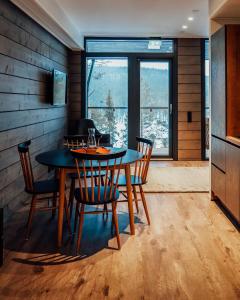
(232, 199)
(225, 82)
(225, 117)
(218, 88)
(218, 153)
(218, 184)
(225, 175)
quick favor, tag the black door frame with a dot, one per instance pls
(133, 80)
(135, 104)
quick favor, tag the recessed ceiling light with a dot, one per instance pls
(184, 27)
(190, 18)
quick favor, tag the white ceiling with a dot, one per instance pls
(79, 18)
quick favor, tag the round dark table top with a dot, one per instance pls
(62, 158)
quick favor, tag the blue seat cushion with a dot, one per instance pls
(46, 186)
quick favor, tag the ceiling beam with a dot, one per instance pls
(50, 16)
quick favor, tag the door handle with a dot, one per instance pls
(170, 108)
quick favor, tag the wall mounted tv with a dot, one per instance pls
(59, 88)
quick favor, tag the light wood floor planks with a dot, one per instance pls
(190, 251)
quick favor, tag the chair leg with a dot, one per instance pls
(76, 217)
(105, 210)
(115, 219)
(112, 223)
(80, 226)
(30, 216)
(135, 198)
(71, 196)
(144, 204)
(54, 204)
(67, 215)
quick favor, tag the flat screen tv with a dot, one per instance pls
(59, 88)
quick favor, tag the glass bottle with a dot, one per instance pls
(91, 142)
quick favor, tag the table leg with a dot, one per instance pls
(130, 199)
(62, 179)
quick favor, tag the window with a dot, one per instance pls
(129, 45)
(107, 94)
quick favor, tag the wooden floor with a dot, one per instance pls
(190, 251)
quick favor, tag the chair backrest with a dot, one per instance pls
(74, 141)
(77, 141)
(83, 125)
(23, 150)
(89, 165)
(145, 146)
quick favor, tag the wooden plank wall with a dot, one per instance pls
(74, 88)
(28, 55)
(189, 99)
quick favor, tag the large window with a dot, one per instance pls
(107, 94)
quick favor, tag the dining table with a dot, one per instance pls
(63, 161)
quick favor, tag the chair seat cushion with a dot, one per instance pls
(46, 186)
(109, 198)
(75, 175)
(135, 180)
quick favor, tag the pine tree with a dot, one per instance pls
(125, 132)
(110, 116)
(121, 130)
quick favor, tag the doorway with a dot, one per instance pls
(129, 93)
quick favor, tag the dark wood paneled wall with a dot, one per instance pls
(74, 88)
(189, 99)
(28, 54)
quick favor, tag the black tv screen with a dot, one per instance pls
(59, 87)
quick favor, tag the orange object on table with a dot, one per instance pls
(97, 150)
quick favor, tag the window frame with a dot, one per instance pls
(86, 38)
(133, 59)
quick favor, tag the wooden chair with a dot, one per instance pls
(73, 142)
(81, 128)
(36, 188)
(90, 194)
(139, 178)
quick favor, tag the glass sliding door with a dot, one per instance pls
(129, 86)
(155, 106)
(107, 96)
